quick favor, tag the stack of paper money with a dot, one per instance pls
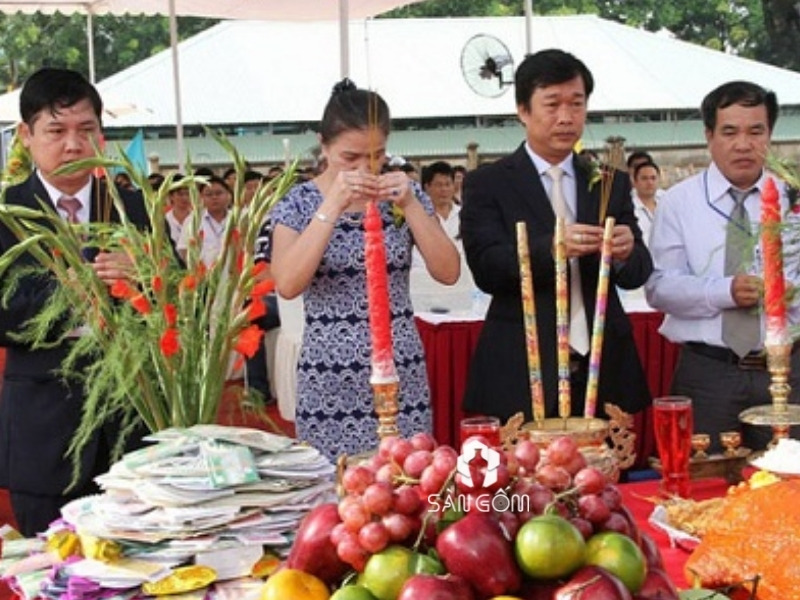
(208, 495)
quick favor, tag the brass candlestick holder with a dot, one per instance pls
(386, 407)
(779, 415)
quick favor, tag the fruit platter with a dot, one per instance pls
(417, 520)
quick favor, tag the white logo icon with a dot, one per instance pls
(468, 452)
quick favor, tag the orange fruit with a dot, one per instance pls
(294, 584)
(549, 547)
(619, 555)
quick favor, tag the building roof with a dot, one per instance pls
(271, 72)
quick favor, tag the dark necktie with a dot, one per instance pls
(578, 329)
(741, 327)
(71, 206)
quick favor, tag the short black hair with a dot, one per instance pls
(642, 165)
(53, 89)
(440, 167)
(549, 67)
(744, 93)
(351, 108)
(204, 172)
(253, 175)
(638, 155)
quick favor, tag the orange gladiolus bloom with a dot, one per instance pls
(262, 288)
(141, 304)
(170, 314)
(257, 308)
(121, 289)
(259, 268)
(169, 342)
(189, 283)
(248, 341)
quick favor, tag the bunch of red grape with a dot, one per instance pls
(385, 497)
(558, 478)
(408, 482)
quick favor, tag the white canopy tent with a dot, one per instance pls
(267, 10)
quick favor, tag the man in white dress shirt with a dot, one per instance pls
(711, 305)
(438, 181)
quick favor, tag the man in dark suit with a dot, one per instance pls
(552, 90)
(39, 410)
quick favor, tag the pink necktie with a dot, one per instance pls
(71, 206)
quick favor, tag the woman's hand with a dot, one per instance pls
(353, 188)
(396, 187)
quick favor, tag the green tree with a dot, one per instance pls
(765, 30)
(28, 42)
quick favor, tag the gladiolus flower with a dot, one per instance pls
(189, 283)
(141, 304)
(262, 288)
(239, 262)
(259, 268)
(170, 314)
(169, 343)
(121, 289)
(248, 341)
(256, 309)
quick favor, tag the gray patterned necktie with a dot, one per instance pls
(578, 328)
(741, 327)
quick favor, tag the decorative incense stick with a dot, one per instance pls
(529, 317)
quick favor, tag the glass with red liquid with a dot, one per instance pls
(673, 424)
(488, 427)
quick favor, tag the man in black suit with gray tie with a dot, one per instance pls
(542, 178)
(39, 410)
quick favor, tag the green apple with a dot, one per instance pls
(386, 572)
(353, 592)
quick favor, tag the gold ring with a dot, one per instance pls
(577, 237)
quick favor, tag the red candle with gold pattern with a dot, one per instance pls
(772, 249)
(380, 315)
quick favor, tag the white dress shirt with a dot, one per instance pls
(213, 234)
(84, 195)
(644, 217)
(688, 248)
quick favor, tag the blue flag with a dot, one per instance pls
(135, 152)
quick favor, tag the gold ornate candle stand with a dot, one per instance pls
(386, 407)
(592, 436)
(779, 415)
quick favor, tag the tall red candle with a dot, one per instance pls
(772, 249)
(380, 316)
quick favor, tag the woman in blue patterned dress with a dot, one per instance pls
(317, 250)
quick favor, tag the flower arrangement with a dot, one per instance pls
(162, 342)
(18, 165)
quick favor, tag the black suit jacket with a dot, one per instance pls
(38, 411)
(496, 197)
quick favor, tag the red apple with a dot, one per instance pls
(657, 586)
(593, 583)
(538, 589)
(475, 548)
(436, 587)
(313, 551)
(650, 550)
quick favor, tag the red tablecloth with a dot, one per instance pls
(449, 347)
